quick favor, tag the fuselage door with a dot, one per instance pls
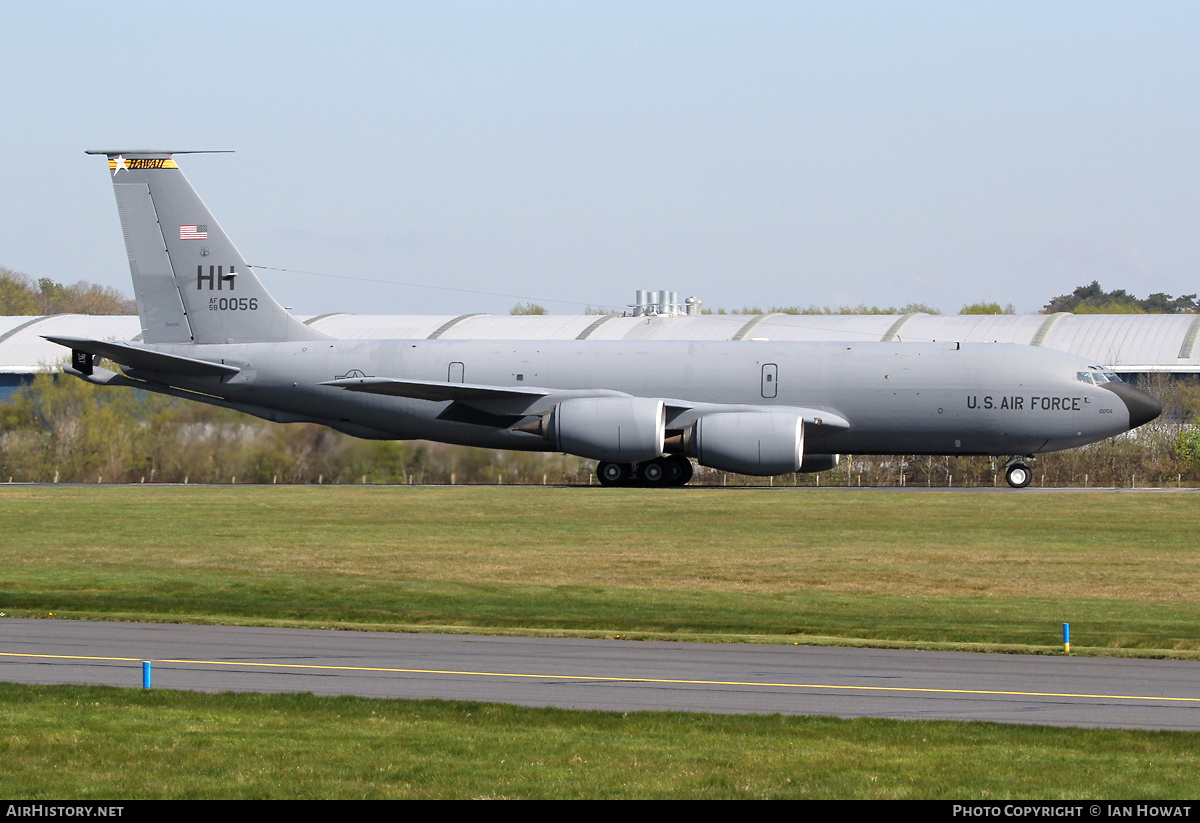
(455, 373)
(770, 380)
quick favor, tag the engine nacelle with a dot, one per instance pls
(616, 429)
(760, 443)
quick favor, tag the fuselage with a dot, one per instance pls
(902, 398)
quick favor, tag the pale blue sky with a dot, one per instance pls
(746, 153)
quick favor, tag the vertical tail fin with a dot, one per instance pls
(190, 282)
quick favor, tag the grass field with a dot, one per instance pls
(986, 571)
(937, 569)
(100, 743)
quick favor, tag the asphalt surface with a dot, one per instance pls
(611, 675)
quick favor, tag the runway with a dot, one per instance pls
(611, 675)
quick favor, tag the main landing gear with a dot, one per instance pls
(1017, 474)
(672, 470)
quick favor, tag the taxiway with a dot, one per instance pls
(612, 675)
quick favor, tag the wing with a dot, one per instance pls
(531, 400)
(434, 390)
(498, 400)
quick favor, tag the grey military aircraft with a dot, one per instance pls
(644, 410)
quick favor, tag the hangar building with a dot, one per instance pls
(1134, 345)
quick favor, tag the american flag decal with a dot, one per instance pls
(193, 232)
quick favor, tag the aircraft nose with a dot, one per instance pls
(1143, 406)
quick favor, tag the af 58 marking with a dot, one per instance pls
(233, 304)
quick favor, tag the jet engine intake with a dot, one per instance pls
(616, 429)
(758, 443)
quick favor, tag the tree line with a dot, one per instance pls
(21, 295)
(1092, 299)
(1089, 299)
(60, 429)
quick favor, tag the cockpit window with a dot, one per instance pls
(1083, 377)
(1100, 375)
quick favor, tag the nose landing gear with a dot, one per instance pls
(1017, 474)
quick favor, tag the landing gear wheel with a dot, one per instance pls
(654, 472)
(613, 474)
(1018, 475)
(679, 470)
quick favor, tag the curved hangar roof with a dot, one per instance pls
(1125, 342)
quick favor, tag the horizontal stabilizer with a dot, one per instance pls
(154, 153)
(136, 357)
